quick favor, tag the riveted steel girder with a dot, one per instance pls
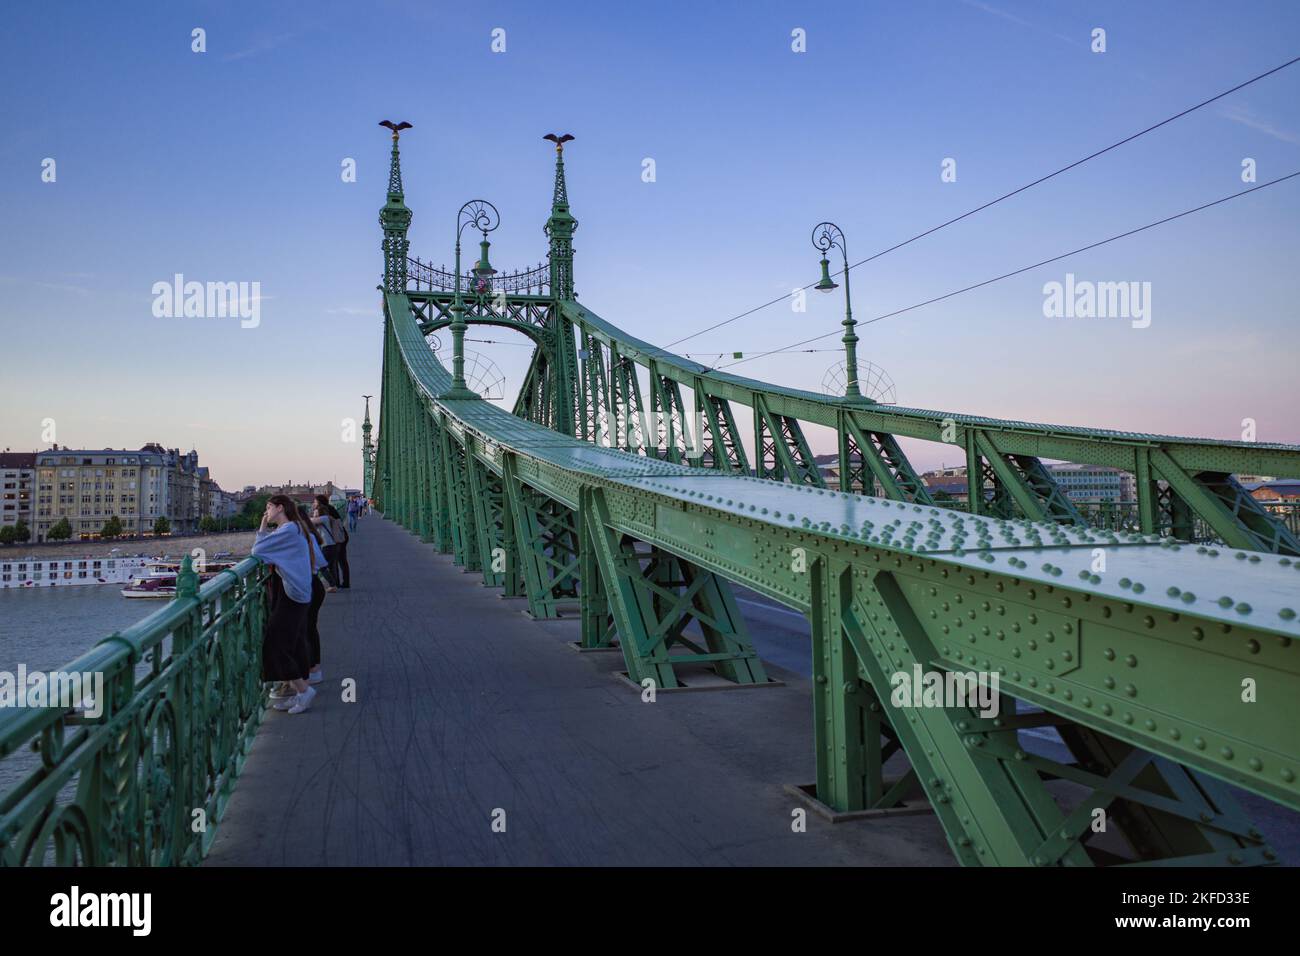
(597, 396)
(673, 431)
(870, 460)
(1222, 503)
(629, 423)
(1015, 482)
(781, 451)
(599, 627)
(530, 402)
(545, 545)
(722, 447)
(495, 525)
(999, 802)
(460, 500)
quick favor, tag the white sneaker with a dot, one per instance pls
(282, 690)
(315, 677)
(302, 701)
(284, 703)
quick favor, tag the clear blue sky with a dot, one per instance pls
(225, 166)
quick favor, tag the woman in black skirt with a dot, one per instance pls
(315, 675)
(290, 549)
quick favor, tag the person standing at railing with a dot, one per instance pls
(291, 551)
(315, 675)
(339, 532)
(341, 536)
(326, 519)
(320, 519)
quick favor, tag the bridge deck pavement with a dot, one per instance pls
(464, 706)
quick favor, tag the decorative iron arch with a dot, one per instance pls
(541, 337)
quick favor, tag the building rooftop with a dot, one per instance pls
(1288, 485)
(129, 456)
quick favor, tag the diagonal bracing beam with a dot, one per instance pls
(546, 545)
(654, 596)
(1107, 802)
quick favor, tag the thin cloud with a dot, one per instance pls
(1239, 114)
(58, 287)
(995, 12)
(261, 44)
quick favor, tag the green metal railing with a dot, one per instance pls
(145, 782)
(1125, 516)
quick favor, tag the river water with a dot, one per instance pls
(47, 628)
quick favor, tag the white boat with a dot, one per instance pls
(63, 572)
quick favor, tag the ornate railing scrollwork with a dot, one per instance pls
(121, 781)
(425, 277)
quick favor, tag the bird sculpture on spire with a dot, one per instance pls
(395, 127)
(558, 140)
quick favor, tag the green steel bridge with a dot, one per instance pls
(622, 486)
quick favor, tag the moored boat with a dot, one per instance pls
(159, 581)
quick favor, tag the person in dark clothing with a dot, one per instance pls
(292, 552)
(320, 520)
(338, 532)
(314, 675)
(345, 573)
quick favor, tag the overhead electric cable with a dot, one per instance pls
(994, 202)
(1008, 275)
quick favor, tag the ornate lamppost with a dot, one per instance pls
(483, 216)
(824, 236)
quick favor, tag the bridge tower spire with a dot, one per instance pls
(367, 454)
(395, 219)
(560, 227)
